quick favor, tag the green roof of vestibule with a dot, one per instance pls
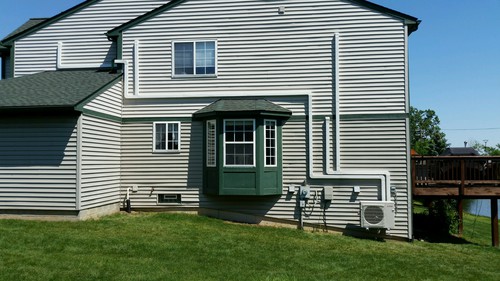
(54, 89)
(242, 107)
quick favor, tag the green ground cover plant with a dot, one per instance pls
(161, 246)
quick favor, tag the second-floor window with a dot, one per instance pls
(196, 58)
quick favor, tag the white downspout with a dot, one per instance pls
(125, 75)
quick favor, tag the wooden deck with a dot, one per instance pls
(456, 176)
(459, 177)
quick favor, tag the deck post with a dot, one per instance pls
(460, 216)
(460, 199)
(494, 222)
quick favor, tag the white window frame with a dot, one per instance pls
(275, 142)
(254, 142)
(167, 150)
(209, 163)
(194, 59)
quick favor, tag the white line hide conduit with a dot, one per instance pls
(329, 174)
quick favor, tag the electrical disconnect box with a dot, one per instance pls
(304, 192)
(328, 193)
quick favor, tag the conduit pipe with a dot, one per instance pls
(380, 175)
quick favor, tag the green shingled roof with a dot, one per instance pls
(54, 89)
(242, 106)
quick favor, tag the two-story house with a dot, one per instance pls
(287, 111)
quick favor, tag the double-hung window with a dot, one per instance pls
(239, 142)
(166, 136)
(196, 58)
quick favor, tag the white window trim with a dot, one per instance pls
(275, 143)
(253, 142)
(166, 150)
(194, 60)
(215, 143)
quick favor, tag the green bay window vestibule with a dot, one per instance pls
(242, 147)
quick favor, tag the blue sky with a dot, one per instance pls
(454, 59)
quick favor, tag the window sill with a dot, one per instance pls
(194, 76)
(166, 152)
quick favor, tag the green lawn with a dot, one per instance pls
(477, 229)
(163, 246)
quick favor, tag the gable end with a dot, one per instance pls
(412, 22)
(16, 35)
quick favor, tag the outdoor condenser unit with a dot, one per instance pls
(377, 214)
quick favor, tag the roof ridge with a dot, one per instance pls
(413, 22)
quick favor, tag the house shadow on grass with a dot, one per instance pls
(433, 230)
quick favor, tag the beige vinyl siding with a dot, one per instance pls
(38, 163)
(380, 144)
(261, 51)
(83, 35)
(100, 162)
(161, 173)
(110, 102)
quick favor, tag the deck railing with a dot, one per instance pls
(464, 176)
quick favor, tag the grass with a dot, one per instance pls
(186, 247)
(477, 229)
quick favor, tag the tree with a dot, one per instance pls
(483, 149)
(427, 139)
(425, 133)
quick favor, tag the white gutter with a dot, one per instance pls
(381, 175)
(60, 64)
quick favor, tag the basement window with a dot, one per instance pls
(169, 198)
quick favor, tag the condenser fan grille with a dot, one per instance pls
(374, 214)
